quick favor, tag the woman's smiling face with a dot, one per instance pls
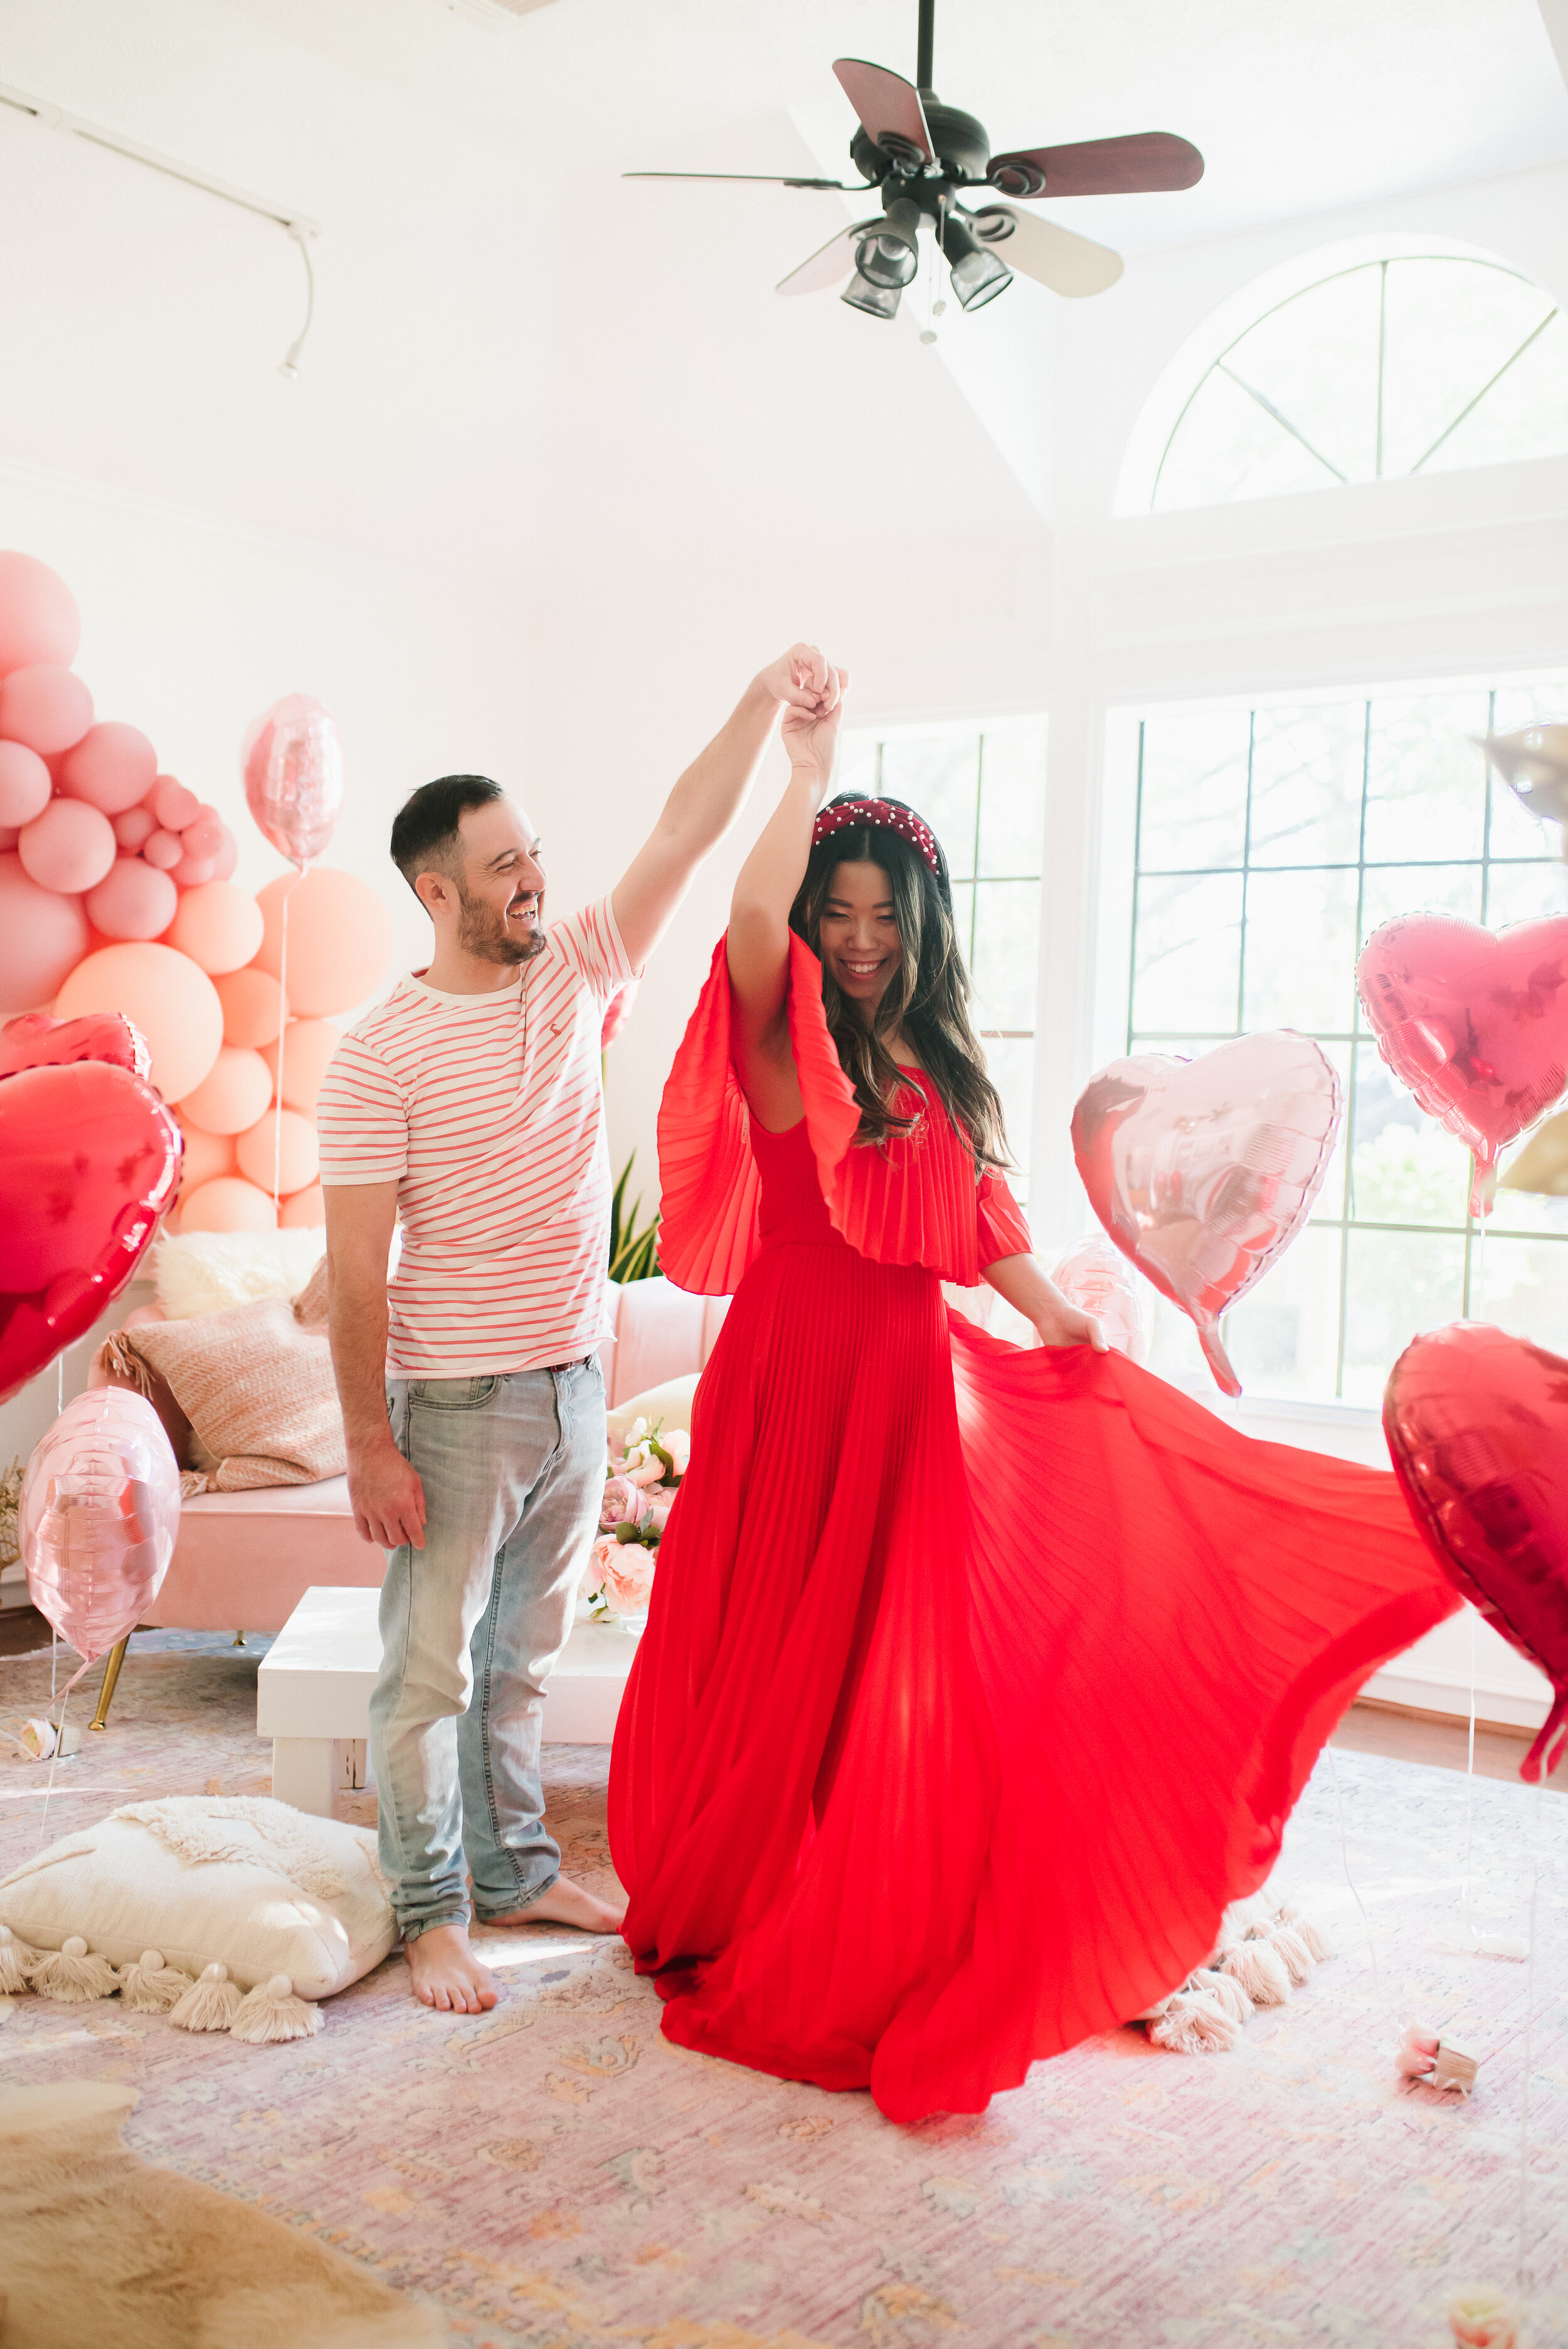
(859, 933)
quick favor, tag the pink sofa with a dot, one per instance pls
(243, 1561)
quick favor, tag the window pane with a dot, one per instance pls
(1450, 326)
(1534, 1211)
(1397, 1284)
(1012, 802)
(1188, 945)
(1227, 447)
(1283, 1338)
(1525, 893)
(964, 921)
(1524, 415)
(1306, 784)
(1194, 803)
(1526, 1288)
(1404, 1168)
(1005, 967)
(1426, 778)
(857, 765)
(1301, 950)
(1011, 1063)
(938, 774)
(1174, 1351)
(1315, 359)
(1390, 890)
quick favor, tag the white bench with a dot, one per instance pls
(312, 1693)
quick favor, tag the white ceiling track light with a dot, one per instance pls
(292, 223)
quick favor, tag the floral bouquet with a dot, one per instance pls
(639, 1494)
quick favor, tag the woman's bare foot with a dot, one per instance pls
(566, 1903)
(446, 1974)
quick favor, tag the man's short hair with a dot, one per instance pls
(425, 829)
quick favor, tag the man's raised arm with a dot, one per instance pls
(711, 793)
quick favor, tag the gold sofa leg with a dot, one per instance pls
(239, 1640)
(110, 1676)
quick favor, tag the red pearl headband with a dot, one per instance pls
(852, 813)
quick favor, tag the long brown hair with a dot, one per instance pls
(928, 995)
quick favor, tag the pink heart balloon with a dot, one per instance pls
(97, 1518)
(1474, 1024)
(1477, 1424)
(1202, 1172)
(294, 777)
(36, 1041)
(1098, 1279)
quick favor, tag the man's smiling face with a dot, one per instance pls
(501, 885)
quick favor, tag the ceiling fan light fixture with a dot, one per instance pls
(890, 256)
(978, 276)
(876, 301)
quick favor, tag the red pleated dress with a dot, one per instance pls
(976, 1680)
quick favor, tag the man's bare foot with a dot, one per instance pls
(446, 1974)
(566, 1903)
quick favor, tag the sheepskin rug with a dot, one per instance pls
(98, 2247)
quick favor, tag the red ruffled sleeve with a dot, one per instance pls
(914, 1202)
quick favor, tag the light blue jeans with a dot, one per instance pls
(513, 1471)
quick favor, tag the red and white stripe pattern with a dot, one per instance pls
(497, 1146)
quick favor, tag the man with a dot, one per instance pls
(469, 1106)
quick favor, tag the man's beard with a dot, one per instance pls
(483, 933)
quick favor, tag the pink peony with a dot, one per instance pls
(622, 1500)
(629, 1579)
(651, 1473)
(598, 1565)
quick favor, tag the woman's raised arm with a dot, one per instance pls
(759, 911)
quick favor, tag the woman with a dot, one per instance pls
(976, 1680)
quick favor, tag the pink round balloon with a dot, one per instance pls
(294, 777)
(339, 938)
(163, 849)
(26, 784)
(39, 621)
(204, 837)
(307, 1211)
(1475, 1024)
(42, 937)
(112, 766)
(308, 1046)
(10, 834)
(296, 1153)
(46, 708)
(172, 805)
(97, 1518)
(227, 858)
(233, 1095)
(217, 926)
(133, 901)
(253, 1005)
(1098, 1279)
(162, 993)
(1202, 1172)
(134, 828)
(229, 1204)
(194, 872)
(68, 848)
(207, 1156)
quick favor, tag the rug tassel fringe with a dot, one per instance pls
(149, 1987)
(1293, 1953)
(272, 2012)
(1226, 1992)
(17, 1964)
(1318, 1942)
(1192, 2023)
(210, 2004)
(1261, 1972)
(72, 1975)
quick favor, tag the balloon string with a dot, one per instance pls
(54, 1760)
(1523, 2280)
(1472, 1932)
(282, 1031)
(1350, 1880)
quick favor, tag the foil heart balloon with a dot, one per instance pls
(292, 762)
(97, 1518)
(1474, 1024)
(36, 1041)
(90, 1158)
(1202, 1172)
(1533, 763)
(1477, 1424)
(1098, 1279)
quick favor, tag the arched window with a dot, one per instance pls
(1392, 367)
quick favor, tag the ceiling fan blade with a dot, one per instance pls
(1037, 248)
(1138, 165)
(829, 265)
(889, 107)
(772, 179)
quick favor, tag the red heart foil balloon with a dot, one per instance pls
(1477, 1424)
(36, 1041)
(1202, 1172)
(1474, 1024)
(90, 1158)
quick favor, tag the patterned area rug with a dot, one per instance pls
(556, 2176)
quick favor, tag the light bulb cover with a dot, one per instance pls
(978, 276)
(889, 254)
(876, 301)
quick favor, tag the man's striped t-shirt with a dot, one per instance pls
(487, 1111)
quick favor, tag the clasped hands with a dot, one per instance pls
(813, 692)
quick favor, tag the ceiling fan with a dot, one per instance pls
(919, 153)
